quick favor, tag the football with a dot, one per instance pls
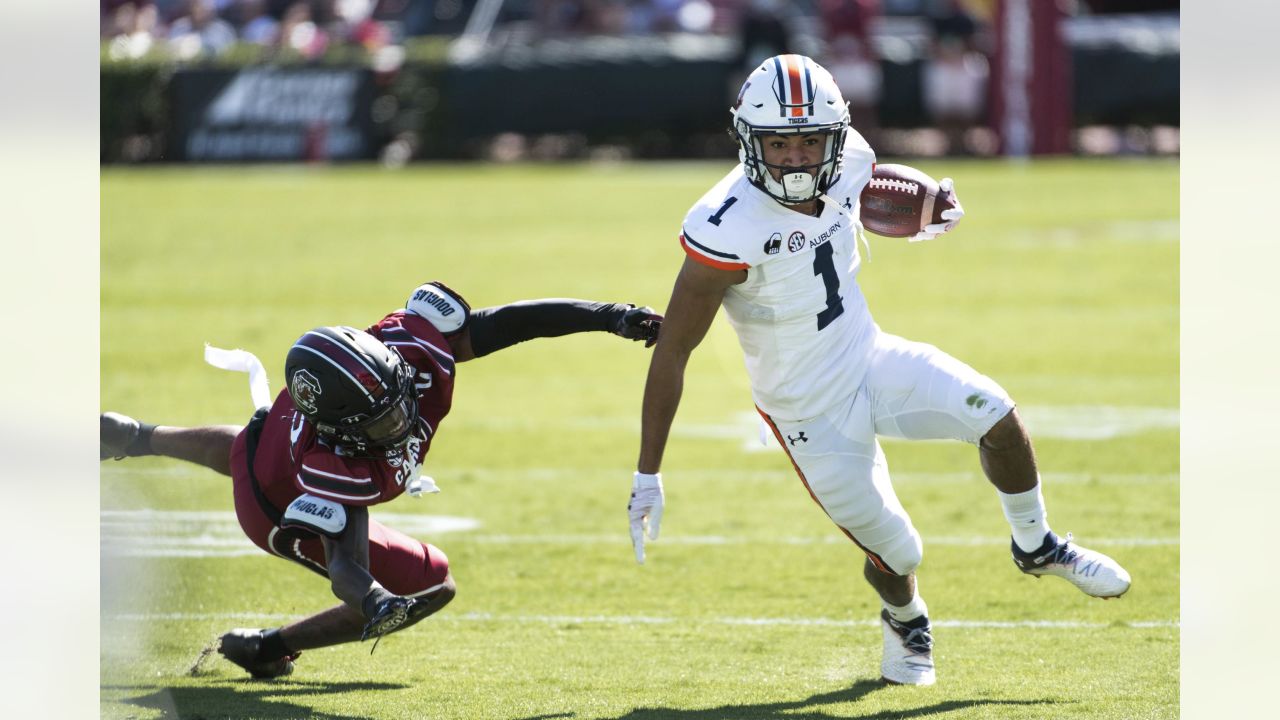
(900, 200)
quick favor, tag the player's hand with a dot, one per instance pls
(645, 510)
(387, 616)
(951, 217)
(639, 323)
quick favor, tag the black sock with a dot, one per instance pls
(273, 647)
(141, 445)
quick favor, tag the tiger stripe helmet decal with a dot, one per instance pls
(793, 86)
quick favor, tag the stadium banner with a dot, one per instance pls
(269, 113)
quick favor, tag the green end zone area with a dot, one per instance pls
(1061, 283)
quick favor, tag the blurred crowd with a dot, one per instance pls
(187, 29)
(952, 39)
(205, 28)
(841, 29)
(850, 37)
(217, 24)
(191, 28)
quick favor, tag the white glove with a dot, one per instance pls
(951, 216)
(645, 509)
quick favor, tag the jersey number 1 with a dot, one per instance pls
(728, 203)
(825, 266)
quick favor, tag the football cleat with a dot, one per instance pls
(389, 617)
(1091, 571)
(241, 645)
(908, 651)
(116, 433)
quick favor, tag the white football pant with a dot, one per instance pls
(911, 390)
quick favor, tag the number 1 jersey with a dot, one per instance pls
(800, 316)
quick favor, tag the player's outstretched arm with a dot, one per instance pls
(347, 558)
(492, 329)
(695, 299)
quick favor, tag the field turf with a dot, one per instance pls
(1061, 283)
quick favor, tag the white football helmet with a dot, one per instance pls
(790, 95)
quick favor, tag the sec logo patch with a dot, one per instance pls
(796, 243)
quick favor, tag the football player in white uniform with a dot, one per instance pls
(775, 243)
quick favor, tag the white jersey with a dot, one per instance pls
(800, 316)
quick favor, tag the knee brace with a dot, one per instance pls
(903, 553)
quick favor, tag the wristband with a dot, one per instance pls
(646, 481)
(377, 595)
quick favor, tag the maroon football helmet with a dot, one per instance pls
(358, 392)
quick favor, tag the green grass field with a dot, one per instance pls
(1062, 283)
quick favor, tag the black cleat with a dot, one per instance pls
(241, 645)
(116, 433)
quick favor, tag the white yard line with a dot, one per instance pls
(201, 534)
(1064, 422)
(143, 547)
(559, 474)
(661, 620)
(621, 539)
(1120, 231)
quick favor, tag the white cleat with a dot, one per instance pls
(908, 651)
(1091, 571)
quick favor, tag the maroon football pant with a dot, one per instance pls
(401, 564)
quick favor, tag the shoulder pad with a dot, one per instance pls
(715, 229)
(854, 142)
(440, 306)
(858, 163)
(315, 514)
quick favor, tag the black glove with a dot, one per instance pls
(386, 613)
(638, 323)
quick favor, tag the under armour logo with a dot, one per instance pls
(800, 438)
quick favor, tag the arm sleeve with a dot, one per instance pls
(495, 328)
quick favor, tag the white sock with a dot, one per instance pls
(910, 611)
(1026, 515)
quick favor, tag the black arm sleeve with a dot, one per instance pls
(495, 328)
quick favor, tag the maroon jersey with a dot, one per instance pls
(292, 459)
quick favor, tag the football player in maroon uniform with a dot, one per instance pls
(350, 430)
